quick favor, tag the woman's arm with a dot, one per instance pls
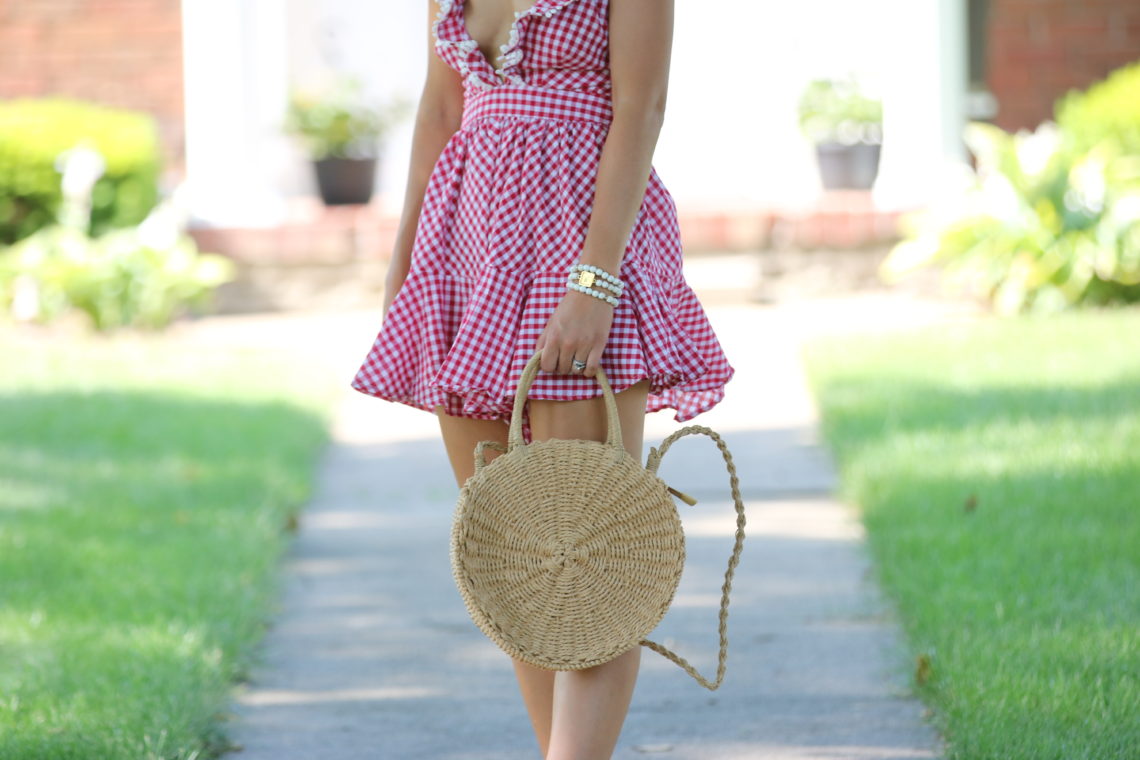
(641, 35)
(438, 116)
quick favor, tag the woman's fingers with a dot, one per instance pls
(558, 357)
(549, 360)
(589, 355)
(577, 330)
(540, 345)
(594, 361)
(566, 357)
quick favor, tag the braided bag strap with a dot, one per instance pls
(654, 461)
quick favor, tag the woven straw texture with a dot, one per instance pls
(582, 580)
(567, 553)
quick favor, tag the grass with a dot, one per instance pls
(997, 469)
(146, 492)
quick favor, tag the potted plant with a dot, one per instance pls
(846, 126)
(342, 134)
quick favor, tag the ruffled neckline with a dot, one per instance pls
(473, 62)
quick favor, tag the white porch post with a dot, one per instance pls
(235, 59)
(924, 103)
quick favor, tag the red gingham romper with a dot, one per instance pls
(504, 217)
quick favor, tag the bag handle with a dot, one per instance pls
(515, 436)
(652, 464)
(613, 424)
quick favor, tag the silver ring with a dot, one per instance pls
(578, 365)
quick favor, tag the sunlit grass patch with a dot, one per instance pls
(146, 489)
(997, 468)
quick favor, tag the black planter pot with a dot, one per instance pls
(344, 181)
(848, 167)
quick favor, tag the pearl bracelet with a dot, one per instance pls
(615, 289)
(590, 276)
(596, 270)
(595, 293)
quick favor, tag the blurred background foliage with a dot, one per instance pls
(1052, 217)
(108, 248)
(123, 278)
(839, 111)
(342, 121)
(34, 131)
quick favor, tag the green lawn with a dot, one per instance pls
(997, 469)
(146, 491)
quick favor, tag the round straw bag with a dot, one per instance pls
(567, 553)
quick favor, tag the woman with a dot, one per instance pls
(526, 163)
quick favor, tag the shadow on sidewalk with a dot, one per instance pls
(374, 655)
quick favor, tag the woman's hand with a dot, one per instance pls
(578, 328)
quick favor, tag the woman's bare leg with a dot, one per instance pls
(575, 714)
(537, 688)
(589, 706)
(459, 437)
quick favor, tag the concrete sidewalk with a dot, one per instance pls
(373, 655)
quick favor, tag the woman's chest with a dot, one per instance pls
(548, 39)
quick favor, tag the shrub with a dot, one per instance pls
(1053, 217)
(838, 111)
(340, 122)
(130, 277)
(33, 132)
(1108, 113)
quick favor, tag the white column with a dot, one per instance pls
(924, 103)
(234, 58)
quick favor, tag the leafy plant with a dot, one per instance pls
(339, 122)
(35, 131)
(1052, 217)
(122, 278)
(1107, 112)
(838, 111)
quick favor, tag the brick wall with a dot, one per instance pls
(1040, 49)
(125, 53)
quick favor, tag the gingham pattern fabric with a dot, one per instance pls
(505, 215)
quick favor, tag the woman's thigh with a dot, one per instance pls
(461, 434)
(586, 419)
